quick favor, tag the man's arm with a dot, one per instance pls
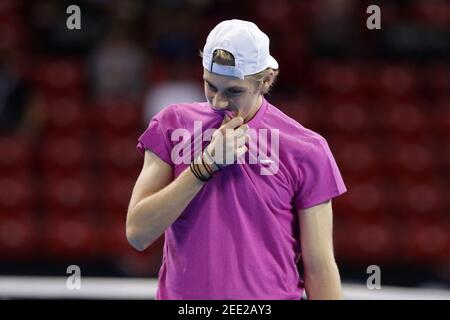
(156, 202)
(322, 280)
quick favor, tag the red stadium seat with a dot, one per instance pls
(347, 115)
(336, 78)
(118, 155)
(117, 117)
(66, 115)
(365, 198)
(68, 194)
(70, 236)
(302, 109)
(59, 78)
(64, 154)
(426, 242)
(394, 80)
(17, 193)
(9, 7)
(432, 13)
(409, 197)
(356, 156)
(116, 193)
(366, 241)
(443, 156)
(18, 235)
(435, 79)
(403, 158)
(441, 117)
(13, 30)
(273, 17)
(402, 118)
(424, 199)
(16, 154)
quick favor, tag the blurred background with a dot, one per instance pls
(74, 102)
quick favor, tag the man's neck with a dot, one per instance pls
(254, 110)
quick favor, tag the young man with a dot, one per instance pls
(241, 191)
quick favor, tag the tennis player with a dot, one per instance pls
(237, 223)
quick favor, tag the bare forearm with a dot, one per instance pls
(324, 284)
(151, 216)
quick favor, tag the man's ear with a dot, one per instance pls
(267, 81)
(259, 87)
(265, 85)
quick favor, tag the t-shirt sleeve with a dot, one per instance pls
(156, 137)
(319, 176)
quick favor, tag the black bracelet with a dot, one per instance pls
(197, 166)
(194, 171)
(197, 172)
(207, 167)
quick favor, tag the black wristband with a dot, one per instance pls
(194, 171)
(197, 173)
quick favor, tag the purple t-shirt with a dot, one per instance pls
(239, 236)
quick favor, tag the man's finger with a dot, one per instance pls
(234, 123)
(243, 129)
(240, 141)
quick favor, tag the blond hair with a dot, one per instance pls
(225, 58)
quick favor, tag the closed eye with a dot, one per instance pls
(211, 86)
(233, 91)
(230, 91)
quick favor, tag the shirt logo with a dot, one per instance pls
(265, 161)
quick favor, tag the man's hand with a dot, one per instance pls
(228, 142)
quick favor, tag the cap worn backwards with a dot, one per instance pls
(245, 41)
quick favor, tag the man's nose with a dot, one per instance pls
(218, 102)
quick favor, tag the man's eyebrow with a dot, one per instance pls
(234, 87)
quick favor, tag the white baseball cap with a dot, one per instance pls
(245, 41)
